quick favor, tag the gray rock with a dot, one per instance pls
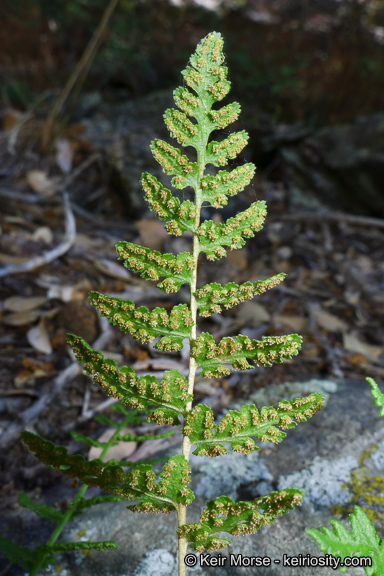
(338, 167)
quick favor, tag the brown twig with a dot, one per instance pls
(332, 217)
(81, 68)
(29, 415)
(51, 255)
(330, 351)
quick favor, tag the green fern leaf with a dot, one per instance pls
(144, 325)
(361, 541)
(213, 297)
(237, 428)
(82, 503)
(169, 397)
(141, 483)
(237, 518)
(174, 163)
(22, 555)
(235, 351)
(181, 216)
(88, 441)
(105, 421)
(218, 153)
(232, 232)
(60, 547)
(165, 495)
(41, 510)
(377, 395)
(216, 189)
(152, 265)
(180, 128)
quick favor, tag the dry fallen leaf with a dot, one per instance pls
(329, 321)
(253, 313)
(238, 258)
(12, 259)
(43, 233)
(38, 338)
(39, 181)
(298, 324)
(152, 234)
(353, 344)
(31, 370)
(121, 451)
(110, 268)
(21, 318)
(22, 303)
(11, 118)
(64, 155)
(357, 359)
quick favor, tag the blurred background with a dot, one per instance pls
(83, 88)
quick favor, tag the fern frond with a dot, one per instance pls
(81, 504)
(181, 216)
(169, 397)
(174, 163)
(361, 541)
(180, 128)
(25, 557)
(235, 351)
(213, 297)
(232, 232)
(152, 265)
(218, 153)
(377, 395)
(144, 325)
(216, 189)
(60, 547)
(237, 518)
(141, 484)
(47, 512)
(237, 428)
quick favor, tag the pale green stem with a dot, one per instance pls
(68, 515)
(182, 509)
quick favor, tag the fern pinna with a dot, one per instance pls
(171, 400)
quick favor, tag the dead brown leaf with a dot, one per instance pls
(111, 268)
(64, 155)
(296, 323)
(238, 258)
(22, 303)
(152, 233)
(31, 370)
(121, 451)
(39, 181)
(38, 338)
(353, 344)
(329, 321)
(253, 313)
(11, 118)
(21, 318)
